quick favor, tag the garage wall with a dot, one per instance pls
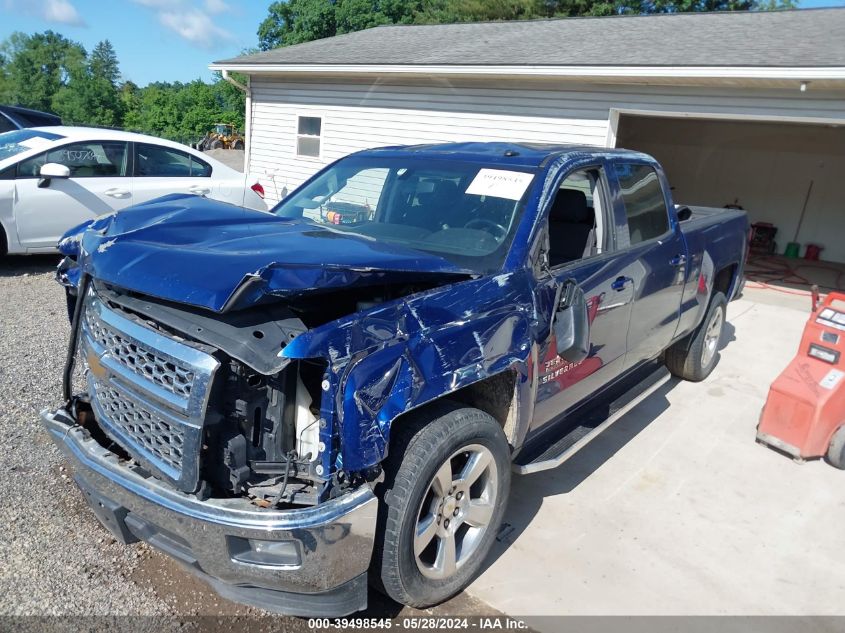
(765, 167)
(363, 113)
(358, 116)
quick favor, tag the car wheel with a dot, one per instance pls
(694, 357)
(836, 450)
(447, 479)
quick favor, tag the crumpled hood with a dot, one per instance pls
(210, 254)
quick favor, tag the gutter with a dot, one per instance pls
(233, 81)
(805, 73)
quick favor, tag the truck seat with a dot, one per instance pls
(435, 208)
(571, 227)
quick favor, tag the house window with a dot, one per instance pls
(308, 136)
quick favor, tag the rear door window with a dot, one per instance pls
(166, 162)
(645, 206)
(5, 124)
(93, 159)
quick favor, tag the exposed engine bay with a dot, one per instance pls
(261, 430)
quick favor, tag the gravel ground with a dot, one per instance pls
(55, 558)
(234, 158)
(42, 511)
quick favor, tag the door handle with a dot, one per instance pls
(200, 191)
(620, 282)
(117, 192)
(678, 260)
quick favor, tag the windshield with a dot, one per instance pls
(464, 212)
(19, 141)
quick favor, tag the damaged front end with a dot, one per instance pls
(193, 434)
(238, 392)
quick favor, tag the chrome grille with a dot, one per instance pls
(162, 439)
(145, 362)
(148, 389)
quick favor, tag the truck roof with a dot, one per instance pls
(498, 152)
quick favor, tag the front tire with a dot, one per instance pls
(447, 478)
(694, 357)
(836, 450)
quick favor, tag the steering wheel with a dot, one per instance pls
(483, 224)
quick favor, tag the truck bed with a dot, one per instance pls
(702, 216)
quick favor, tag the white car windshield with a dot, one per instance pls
(20, 141)
(462, 211)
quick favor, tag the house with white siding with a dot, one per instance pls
(741, 108)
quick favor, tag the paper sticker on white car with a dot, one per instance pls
(500, 183)
(35, 142)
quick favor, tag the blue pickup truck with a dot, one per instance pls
(295, 403)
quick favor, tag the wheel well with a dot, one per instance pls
(495, 395)
(4, 240)
(724, 279)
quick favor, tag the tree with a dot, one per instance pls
(92, 95)
(356, 15)
(48, 72)
(38, 66)
(296, 21)
(104, 64)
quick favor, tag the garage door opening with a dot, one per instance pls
(772, 170)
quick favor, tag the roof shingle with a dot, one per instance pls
(796, 38)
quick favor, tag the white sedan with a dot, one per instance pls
(53, 178)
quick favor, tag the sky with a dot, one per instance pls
(155, 40)
(161, 40)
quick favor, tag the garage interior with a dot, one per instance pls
(776, 171)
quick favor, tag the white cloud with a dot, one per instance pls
(215, 7)
(61, 11)
(190, 22)
(157, 4)
(196, 27)
(55, 11)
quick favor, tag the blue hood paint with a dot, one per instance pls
(218, 256)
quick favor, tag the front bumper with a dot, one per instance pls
(334, 540)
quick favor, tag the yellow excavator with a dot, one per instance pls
(223, 136)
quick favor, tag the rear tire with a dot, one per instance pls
(694, 357)
(447, 478)
(238, 145)
(4, 244)
(836, 450)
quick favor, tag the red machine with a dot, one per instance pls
(804, 415)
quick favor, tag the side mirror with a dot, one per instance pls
(572, 323)
(52, 170)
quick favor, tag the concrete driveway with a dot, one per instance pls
(676, 510)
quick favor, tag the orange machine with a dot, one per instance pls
(804, 415)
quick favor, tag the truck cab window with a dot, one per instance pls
(576, 227)
(645, 206)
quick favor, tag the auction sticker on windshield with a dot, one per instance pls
(500, 183)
